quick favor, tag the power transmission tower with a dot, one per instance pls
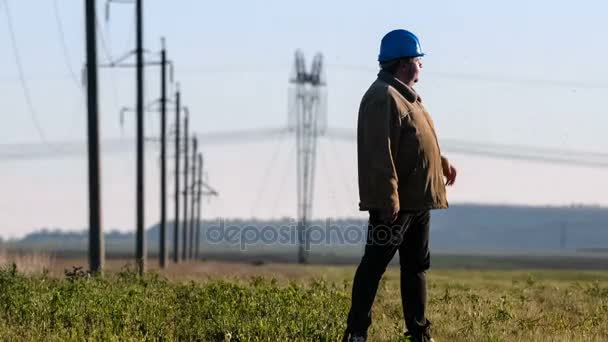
(308, 120)
(96, 245)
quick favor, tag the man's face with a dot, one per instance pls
(410, 70)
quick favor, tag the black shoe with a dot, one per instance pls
(409, 337)
(422, 335)
(348, 337)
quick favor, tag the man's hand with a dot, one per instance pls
(388, 216)
(449, 171)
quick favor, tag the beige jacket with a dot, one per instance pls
(398, 153)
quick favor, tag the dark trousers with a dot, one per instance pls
(410, 236)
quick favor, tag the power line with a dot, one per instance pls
(266, 175)
(464, 76)
(342, 169)
(505, 151)
(109, 59)
(68, 64)
(463, 144)
(332, 193)
(531, 158)
(64, 46)
(283, 179)
(516, 152)
(104, 46)
(479, 77)
(189, 71)
(26, 91)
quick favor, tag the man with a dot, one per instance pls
(401, 178)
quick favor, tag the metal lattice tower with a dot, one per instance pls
(308, 120)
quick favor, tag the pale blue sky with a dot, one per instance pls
(542, 66)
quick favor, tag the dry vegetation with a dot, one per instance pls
(29, 263)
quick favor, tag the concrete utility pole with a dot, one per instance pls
(163, 152)
(96, 245)
(140, 234)
(162, 257)
(140, 245)
(185, 193)
(193, 197)
(177, 175)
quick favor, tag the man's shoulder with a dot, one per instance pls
(379, 89)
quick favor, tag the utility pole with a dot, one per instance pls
(162, 258)
(193, 197)
(177, 175)
(140, 234)
(96, 245)
(163, 153)
(140, 245)
(185, 226)
(199, 185)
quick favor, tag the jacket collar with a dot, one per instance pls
(401, 87)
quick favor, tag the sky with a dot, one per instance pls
(518, 72)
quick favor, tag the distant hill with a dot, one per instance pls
(510, 228)
(463, 228)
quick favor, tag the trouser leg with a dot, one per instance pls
(382, 244)
(414, 257)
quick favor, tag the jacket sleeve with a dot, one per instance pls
(379, 128)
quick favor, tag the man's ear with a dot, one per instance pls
(401, 63)
(405, 63)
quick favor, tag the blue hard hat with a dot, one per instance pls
(399, 44)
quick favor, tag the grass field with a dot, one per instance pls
(218, 301)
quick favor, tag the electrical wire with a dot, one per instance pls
(64, 46)
(579, 158)
(104, 45)
(350, 191)
(26, 91)
(514, 152)
(68, 63)
(478, 77)
(331, 193)
(283, 180)
(109, 59)
(266, 176)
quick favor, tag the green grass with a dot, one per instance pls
(464, 306)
